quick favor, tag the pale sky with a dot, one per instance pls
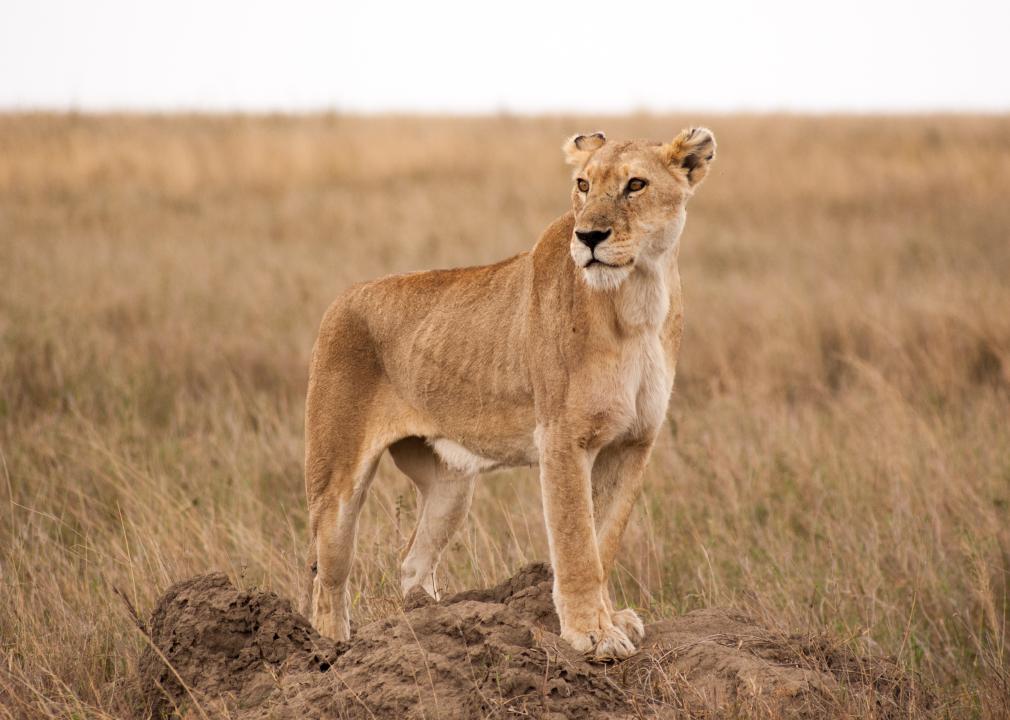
(434, 56)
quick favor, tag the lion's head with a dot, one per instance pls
(629, 199)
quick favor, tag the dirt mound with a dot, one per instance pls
(485, 653)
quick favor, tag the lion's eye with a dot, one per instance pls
(583, 185)
(636, 184)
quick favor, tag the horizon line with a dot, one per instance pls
(328, 110)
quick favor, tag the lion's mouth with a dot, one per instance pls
(596, 261)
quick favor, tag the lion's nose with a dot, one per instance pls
(592, 238)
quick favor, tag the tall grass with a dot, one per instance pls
(838, 452)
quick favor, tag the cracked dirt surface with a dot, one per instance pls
(217, 651)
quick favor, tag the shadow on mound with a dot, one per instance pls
(489, 653)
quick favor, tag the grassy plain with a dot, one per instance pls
(838, 451)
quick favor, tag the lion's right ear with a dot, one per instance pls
(578, 148)
(691, 153)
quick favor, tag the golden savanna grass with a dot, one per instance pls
(838, 452)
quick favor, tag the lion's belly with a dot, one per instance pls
(480, 433)
(473, 421)
(466, 460)
(468, 395)
(479, 416)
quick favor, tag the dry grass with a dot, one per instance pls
(839, 449)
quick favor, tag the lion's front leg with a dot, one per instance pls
(617, 483)
(580, 592)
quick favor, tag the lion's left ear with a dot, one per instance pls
(578, 148)
(691, 152)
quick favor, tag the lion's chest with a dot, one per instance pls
(630, 392)
(650, 383)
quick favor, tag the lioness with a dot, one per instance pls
(561, 357)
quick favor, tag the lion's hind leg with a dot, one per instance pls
(334, 525)
(347, 430)
(444, 497)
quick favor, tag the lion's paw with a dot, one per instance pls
(332, 627)
(603, 644)
(329, 613)
(628, 621)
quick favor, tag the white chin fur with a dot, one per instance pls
(605, 277)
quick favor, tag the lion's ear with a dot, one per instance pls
(691, 153)
(578, 148)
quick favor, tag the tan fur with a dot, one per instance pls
(535, 360)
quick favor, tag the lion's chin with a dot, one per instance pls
(599, 276)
